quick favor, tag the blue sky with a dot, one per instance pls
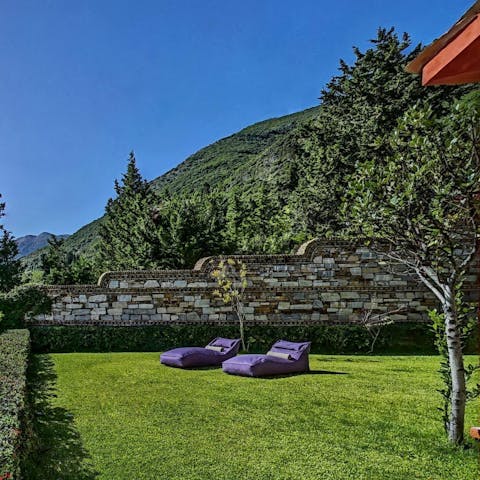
(84, 82)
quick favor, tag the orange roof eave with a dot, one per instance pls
(417, 64)
(458, 61)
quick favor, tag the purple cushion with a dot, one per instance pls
(266, 365)
(223, 342)
(187, 357)
(295, 350)
(290, 345)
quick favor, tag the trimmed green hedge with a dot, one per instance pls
(14, 352)
(341, 339)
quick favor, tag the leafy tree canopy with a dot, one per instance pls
(422, 200)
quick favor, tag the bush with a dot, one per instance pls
(14, 351)
(341, 339)
(21, 301)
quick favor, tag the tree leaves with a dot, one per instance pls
(10, 268)
(127, 232)
(231, 277)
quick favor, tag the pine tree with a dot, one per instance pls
(360, 108)
(54, 263)
(189, 228)
(60, 267)
(10, 267)
(127, 233)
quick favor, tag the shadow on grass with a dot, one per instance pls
(191, 369)
(56, 451)
(324, 372)
(296, 374)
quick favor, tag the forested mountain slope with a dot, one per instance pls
(223, 163)
(31, 243)
(280, 181)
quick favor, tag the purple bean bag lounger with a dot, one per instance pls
(213, 354)
(283, 358)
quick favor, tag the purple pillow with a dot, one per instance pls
(214, 348)
(222, 342)
(284, 344)
(285, 356)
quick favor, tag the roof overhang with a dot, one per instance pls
(454, 58)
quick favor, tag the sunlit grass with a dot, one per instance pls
(352, 418)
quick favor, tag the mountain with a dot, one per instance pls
(228, 162)
(31, 243)
(284, 178)
(236, 159)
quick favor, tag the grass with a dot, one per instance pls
(123, 415)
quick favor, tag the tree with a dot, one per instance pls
(54, 263)
(21, 301)
(10, 267)
(373, 322)
(15, 301)
(127, 231)
(83, 270)
(258, 221)
(360, 107)
(421, 201)
(60, 267)
(231, 277)
(188, 228)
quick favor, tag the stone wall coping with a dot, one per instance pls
(64, 290)
(140, 323)
(304, 254)
(304, 251)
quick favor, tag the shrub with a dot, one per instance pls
(341, 339)
(21, 301)
(14, 351)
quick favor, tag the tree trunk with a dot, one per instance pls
(239, 309)
(457, 371)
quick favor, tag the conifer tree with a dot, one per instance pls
(10, 267)
(189, 228)
(54, 263)
(128, 231)
(60, 267)
(360, 108)
(258, 221)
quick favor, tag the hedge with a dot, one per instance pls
(14, 352)
(342, 339)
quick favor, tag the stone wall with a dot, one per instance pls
(325, 282)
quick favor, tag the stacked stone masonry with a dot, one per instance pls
(325, 282)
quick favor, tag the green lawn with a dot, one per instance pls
(124, 416)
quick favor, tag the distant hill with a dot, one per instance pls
(31, 243)
(304, 159)
(237, 159)
(242, 158)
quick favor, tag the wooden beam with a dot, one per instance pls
(417, 64)
(458, 61)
